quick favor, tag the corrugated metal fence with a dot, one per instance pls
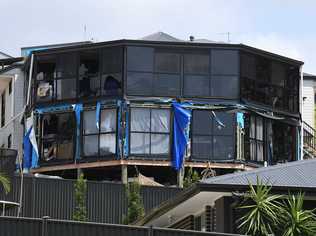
(46, 227)
(106, 202)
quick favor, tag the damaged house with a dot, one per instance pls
(114, 108)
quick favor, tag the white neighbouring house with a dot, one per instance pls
(308, 94)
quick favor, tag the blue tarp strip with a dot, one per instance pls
(78, 110)
(181, 123)
(97, 114)
(240, 120)
(55, 108)
(126, 143)
(118, 134)
(27, 150)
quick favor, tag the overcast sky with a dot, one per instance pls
(286, 27)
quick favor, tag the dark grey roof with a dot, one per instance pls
(160, 36)
(299, 174)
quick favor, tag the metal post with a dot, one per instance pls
(124, 174)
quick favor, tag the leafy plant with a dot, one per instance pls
(80, 212)
(260, 211)
(191, 177)
(5, 182)
(135, 208)
(295, 220)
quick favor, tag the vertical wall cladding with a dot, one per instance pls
(106, 202)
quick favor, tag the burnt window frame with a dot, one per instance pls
(150, 132)
(211, 157)
(98, 134)
(58, 139)
(254, 140)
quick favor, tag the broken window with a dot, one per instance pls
(57, 137)
(89, 80)
(284, 142)
(212, 135)
(111, 81)
(254, 138)
(99, 141)
(45, 75)
(150, 131)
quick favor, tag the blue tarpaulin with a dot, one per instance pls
(78, 109)
(240, 120)
(97, 114)
(181, 122)
(27, 150)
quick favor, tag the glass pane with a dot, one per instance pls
(140, 143)
(112, 59)
(202, 147)
(108, 120)
(66, 66)
(167, 85)
(66, 89)
(90, 145)
(111, 84)
(202, 122)
(160, 120)
(89, 122)
(224, 86)
(140, 59)
(89, 86)
(140, 119)
(259, 151)
(227, 119)
(196, 64)
(252, 133)
(159, 144)
(278, 74)
(223, 147)
(195, 85)
(167, 62)
(224, 62)
(139, 83)
(107, 144)
(259, 128)
(253, 152)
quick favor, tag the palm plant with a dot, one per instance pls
(5, 182)
(295, 220)
(259, 210)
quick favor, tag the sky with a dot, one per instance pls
(286, 27)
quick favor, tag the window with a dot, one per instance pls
(196, 63)
(111, 81)
(140, 59)
(9, 141)
(255, 133)
(167, 62)
(150, 131)
(89, 80)
(210, 139)
(57, 137)
(3, 109)
(224, 62)
(99, 141)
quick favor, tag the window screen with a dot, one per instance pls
(167, 62)
(211, 140)
(196, 63)
(99, 141)
(225, 86)
(150, 131)
(140, 59)
(196, 85)
(224, 62)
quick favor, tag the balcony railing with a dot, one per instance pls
(309, 139)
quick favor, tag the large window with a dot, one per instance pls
(82, 74)
(212, 135)
(269, 82)
(255, 138)
(57, 137)
(150, 131)
(99, 141)
(189, 73)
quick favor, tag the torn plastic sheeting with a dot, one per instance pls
(97, 114)
(218, 120)
(126, 143)
(181, 122)
(119, 130)
(240, 120)
(27, 150)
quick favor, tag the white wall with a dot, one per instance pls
(309, 102)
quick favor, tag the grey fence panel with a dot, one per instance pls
(106, 202)
(10, 226)
(20, 226)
